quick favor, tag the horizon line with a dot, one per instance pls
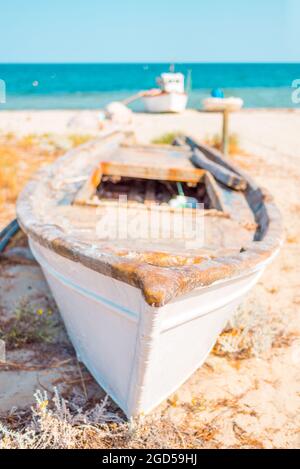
(156, 63)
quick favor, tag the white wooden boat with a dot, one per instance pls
(230, 104)
(169, 97)
(144, 314)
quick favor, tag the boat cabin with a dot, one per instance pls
(171, 82)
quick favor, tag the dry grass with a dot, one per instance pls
(29, 326)
(233, 143)
(251, 332)
(21, 157)
(214, 141)
(77, 139)
(57, 423)
(167, 138)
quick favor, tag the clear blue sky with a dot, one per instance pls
(149, 31)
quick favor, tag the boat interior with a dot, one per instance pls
(165, 179)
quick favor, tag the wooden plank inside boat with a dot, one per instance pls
(233, 203)
(139, 163)
(143, 171)
(221, 174)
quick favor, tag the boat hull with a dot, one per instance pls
(223, 104)
(165, 102)
(137, 353)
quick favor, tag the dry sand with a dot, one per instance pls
(249, 397)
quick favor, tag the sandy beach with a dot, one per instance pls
(245, 397)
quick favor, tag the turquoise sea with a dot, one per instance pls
(80, 86)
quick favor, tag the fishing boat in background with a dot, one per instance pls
(143, 311)
(169, 97)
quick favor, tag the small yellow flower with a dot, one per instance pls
(198, 404)
(40, 312)
(173, 400)
(43, 405)
(49, 312)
